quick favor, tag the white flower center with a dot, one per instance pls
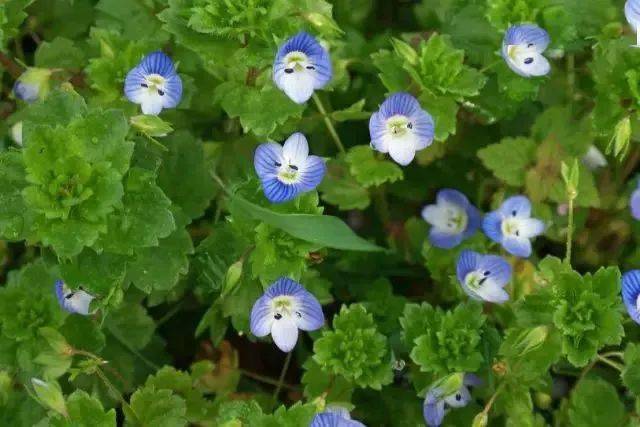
(155, 84)
(511, 227)
(475, 279)
(522, 52)
(288, 173)
(399, 125)
(296, 61)
(456, 219)
(284, 306)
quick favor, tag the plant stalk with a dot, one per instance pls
(327, 121)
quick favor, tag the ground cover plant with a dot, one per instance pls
(319, 213)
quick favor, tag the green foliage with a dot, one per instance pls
(595, 402)
(444, 342)
(355, 349)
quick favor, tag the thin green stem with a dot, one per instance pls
(614, 354)
(156, 143)
(285, 368)
(174, 310)
(327, 121)
(567, 258)
(611, 363)
(133, 351)
(266, 380)
(491, 65)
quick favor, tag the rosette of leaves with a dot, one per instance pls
(354, 349)
(73, 161)
(584, 309)
(445, 341)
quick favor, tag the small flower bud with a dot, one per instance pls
(531, 339)
(543, 400)
(480, 420)
(32, 85)
(499, 368)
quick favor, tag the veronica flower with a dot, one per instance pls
(154, 84)
(301, 66)
(631, 293)
(334, 417)
(16, 133)
(483, 277)
(284, 308)
(32, 85)
(401, 127)
(441, 396)
(512, 226)
(632, 13)
(452, 219)
(594, 159)
(73, 301)
(634, 202)
(288, 171)
(522, 49)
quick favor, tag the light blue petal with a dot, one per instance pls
(632, 13)
(173, 91)
(443, 240)
(157, 63)
(328, 419)
(449, 195)
(400, 104)
(278, 192)
(630, 292)
(261, 317)
(266, 159)
(433, 412)
(25, 91)
(634, 204)
(467, 262)
(424, 127)
(516, 206)
(518, 246)
(317, 55)
(492, 226)
(498, 269)
(283, 286)
(525, 35)
(309, 316)
(472, 380)
(377, 131)
(312, 174)
(133, 83)
(474, 221)
(60, 296)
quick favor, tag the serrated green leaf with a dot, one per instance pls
(370, 171)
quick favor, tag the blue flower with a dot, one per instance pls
(452, 219)
(634, 202)
(513, 227)
(483, 277)
(283, 309)
(72, 301)
(334, 417)
(593, 159)
(288, 171)
(439, 396)
(154, 84)
(631, 292)
(401, 127)
(301, 66)
(632, 13)
(522, 49)
(32, 85)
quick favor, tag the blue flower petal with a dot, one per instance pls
(634, 204)
(329, 419)
(632, 13)
(261, 318)
(433, 411)
(278, 192)
(630, 292)
(472, 380)
(377, 131)
(72, 301)
(424, 128)
(520, 247)
(499, 269)
(449, 195)
(492, 226)
(266, 159)
(151, 93)
(309, 315)
(312, 173)
(516, 206)
(443, 240)
(400, 103)
(25, 91)
(527, 34)
(474, 221)
(159, 63)
(467, 262)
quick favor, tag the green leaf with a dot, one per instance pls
(355, 349)
(15, 219)
(260, 110)
(631, 372)
(444, 110)
(158, 268)
(131, 324)
(97, 273)
(340, 188)
(143, 218)
(59, 53)
(161, 408)
(86, 411)
(352, 112)
(370, 171)
(152, 126)
(324, 230)
(595, 402)
(509, 159)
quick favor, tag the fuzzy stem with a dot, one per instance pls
(327, 121)
(567, 258)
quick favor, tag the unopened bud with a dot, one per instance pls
(480, 420)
